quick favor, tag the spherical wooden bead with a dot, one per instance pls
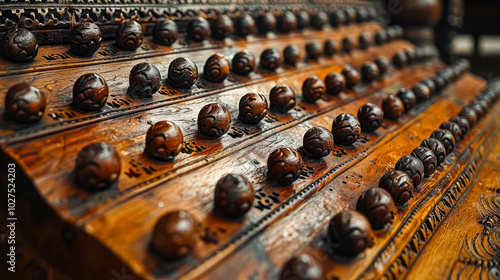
(349, 233)
(369, 72)
(90, 92)
(362, 15)
(85, 39)
(462, 123)
(318, 142)
(270, 59)
(291, 54)
(97, 167)
(165, 32)
(216, 68)
(479, 108)
(144, 79)
(175, 235)
(346, 129)
(391, 33)
(410, 56)
(377, 206)
(198, 29)
(351, 76)
(436, 147)
(439, 82)
(25, 103)
(421, 91)
(427, 157)
(253, 107)
(350, 14)
(338, 18)
(400, 59)
(314, 50)
(393, 107)
(364, 41)
(182, 72)
(331, 47)
(319, 20)
(454, 129)
(243, 63)
(164, 140)
(222, 27)
(129, 35)
(303, 20)
(399, 185)
(370, 117)
(284, 166)
(233, 197)
(214, 120)
(380, 37)
(446, 137)
(287, 22)
(335, 83)
(266, 22)
(383, 64)
(301, 267)
(470, 115)
(282, 98)
(411, 166)
(19, 44)
(408, 97)
(313, 89)
(348, 45)
(245, 25)
(430, 85)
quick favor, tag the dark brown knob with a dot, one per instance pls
(348, 45)
(198, 29)
(421, 91)
(253, 107)
(291, 54)
(436, 147)
(90, 92)
(350, 15)
(284, 166)
(164, 140)
(282, 98)
(270, 59)
(222, 27)
(182, 72)
(393, 107)
(85, 39)
(383, 64)
(439, 82)
(380, 37)
(314, 50)
(369, 72)
(243, 63)
(24, 103)
(446, 138)
(216, 68)
(214, 120)
(478, 107)
(129, 35)
(454, 129)
(313, 89)
(338, 18)
(19, 44)
(427, 157)
(429, 84)
(362, 15)
(165, 32)
(144, 79)
(351, 76)
(266, 22)
(335, 83)
(411, 166)
(301, 267)
(346, 129)
(391, 33)
(462, 123)
(97, 167)
(303, 20)
(400, 59)
(331, 47)
(364, 41)
(245, 25)
(233, 197)
(378, 207)
(408, 97)
(287, 22)
(470, 115)
(318, 142)
(411, 56)
(319, 20)
(399, 185)
(349, 233)
(370, 117)
(175, 235)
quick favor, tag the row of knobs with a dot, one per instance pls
(21, 45)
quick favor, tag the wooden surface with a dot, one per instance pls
(110, 231)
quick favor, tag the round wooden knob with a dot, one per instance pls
(351, 76)
(318, 142)
(182, 72)
(216, 68)
(427, 157)
(97, 167)
(313, 89)
(287, 22)
(393, 107)
(270, 59)
(413, 167)
(85, 39)
(284, 166)
(25, 103)
(349, 233)
(331, 47)
(214, 120)
(399, 185)
(408, 97)
(90, 92)
(348, 45)
(436, 147)
(346, 129)
(233, 197)
(175, 235)
(164, 140)
(338, 18)
(314, 50)
(422, 92)
(350, 15)
(369, 72)
(291, 54)
(383, 64)
(245, 25)
(370, 117)
(198, 29)
(335, 83)
(378, 207)
(144, 79)
(301, 267)
(252, 107)
(446, 137)
(319, 20)
(303, 20)
(282, 98)
(165, 32)
(243, 63)
(266, 22)
(129, 35)
(462, 123)
(380, 37)
(222, 27)
(19, 44)
(400, 59)
(364, 41)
